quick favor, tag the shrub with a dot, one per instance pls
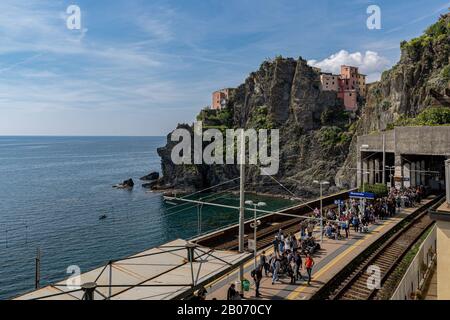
(385, 105)
(260, 118)
(437, 29)
(445, 73)
(211, 117)
(433, 116)
(334, 136)
(379, 189)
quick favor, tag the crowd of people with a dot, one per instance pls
(357, 215)
(354, 215)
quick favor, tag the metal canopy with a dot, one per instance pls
(171, 271)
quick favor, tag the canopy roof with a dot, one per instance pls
(161, 273)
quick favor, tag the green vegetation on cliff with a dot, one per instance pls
(434, 116)
(438, 32)
(334, 136)
(261, 118)
(216, 119)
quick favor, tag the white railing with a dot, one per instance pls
(419, 269)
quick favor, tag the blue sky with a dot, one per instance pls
(138, 67)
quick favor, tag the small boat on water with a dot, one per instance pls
(102, 217)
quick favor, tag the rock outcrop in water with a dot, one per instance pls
(127, 184)
(317, 137)
(150, 177)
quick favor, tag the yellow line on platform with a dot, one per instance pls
(299, 290)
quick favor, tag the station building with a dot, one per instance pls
(404, 157)
(414, 156)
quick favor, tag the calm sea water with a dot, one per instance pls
(53, 190)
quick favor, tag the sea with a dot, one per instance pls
(54, 190)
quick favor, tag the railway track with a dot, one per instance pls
(226, 239)
(351, 283)
(266, 235)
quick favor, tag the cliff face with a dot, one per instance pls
(404, 90)
(317, 138)
(283, 94)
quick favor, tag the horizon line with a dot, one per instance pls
(75, 136)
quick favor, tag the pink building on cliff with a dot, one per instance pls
(220, 98)
(349, 84)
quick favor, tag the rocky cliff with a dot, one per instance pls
(404, 90)
(283, 94)
(317, 137)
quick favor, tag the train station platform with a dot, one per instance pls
(431, 288)
(333, 256)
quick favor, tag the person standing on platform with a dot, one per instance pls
(257, 276)
(232, 293)
(276, 265)
(294, 243)
(298, 263)
(263, 262)
(346, 227)
(310, 230)
(309, 264)
(275, 243)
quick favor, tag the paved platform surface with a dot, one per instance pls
(431, 291)
(333, 256)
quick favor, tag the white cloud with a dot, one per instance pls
(369, 63)
(157, 25)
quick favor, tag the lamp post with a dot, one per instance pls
(321, 183)
(364, 190)
(255, 224)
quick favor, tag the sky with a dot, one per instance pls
(139, 67)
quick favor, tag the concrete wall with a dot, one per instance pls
(423, 140)
(414, 277)
(375, 141)
(411, 140)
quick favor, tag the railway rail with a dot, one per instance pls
(226, 239)
(351, 283)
